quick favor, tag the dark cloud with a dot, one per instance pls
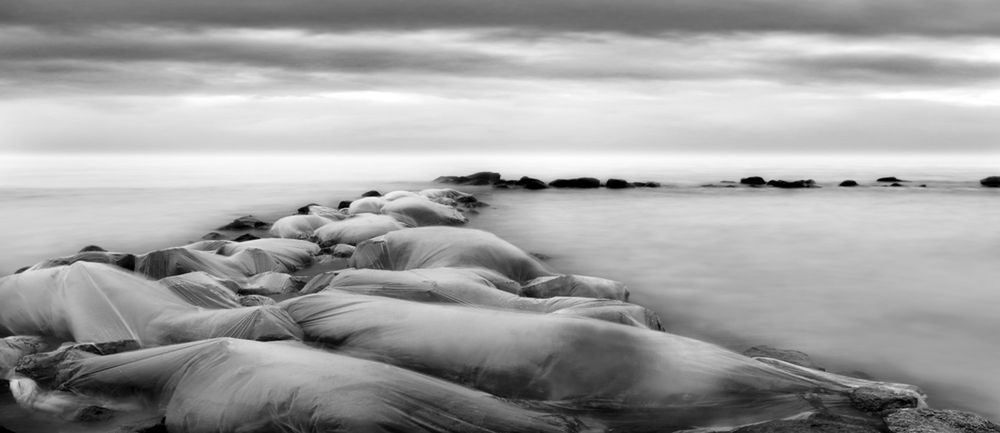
(646, 17)
(886, 69)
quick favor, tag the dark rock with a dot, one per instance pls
(727, 181)
(807, 183)
(123, 260)
(878, 399)
(481, 178)
(126, 261)
(938, 421)
(108, 347)
(372, 193)
(3, 430)
(540, 256)
(617, 184)
(92, 248)
(815, 423)
(213, 236)
(895, 184)
(753, 181)
(22, 269)
(580, 182)
(344, 204)
(646, 184)
(246, 237)
(44, 368)
(923, 185)
(848, 182)
(244, 223)
(304, 210)
(890, 179)
(992, 181)
(531, 183)
(790, 356)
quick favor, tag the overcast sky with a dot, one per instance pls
(446, 75)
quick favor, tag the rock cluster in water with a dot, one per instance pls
(385, 315)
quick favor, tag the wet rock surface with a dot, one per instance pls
(873, 399)
(938, 421)
(817, 423)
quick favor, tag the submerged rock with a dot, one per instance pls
(753, 181)
(579, 182)
(938, 421)
(245, 223)
(992, 181)
(848, 183)
(618, 184)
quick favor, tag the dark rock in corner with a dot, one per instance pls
(246, 237)
(753, 181)
(480, 178)
(807, 183)
(992, 181)
(531, 183)
(938, 421)
(213, 236)
(372, 193)
(815, 423)
(848, 182)
(304, 210)
(618, 184)
(789, 356)
(3, 430)
(579, 182)
(244, 223)
(878, 399)
(344, 204)
(92, 248)
(890, 179)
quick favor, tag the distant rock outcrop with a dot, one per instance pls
(531, 183)
(890, 179)
(244, 223)
(618, 184)
(481, 178)
(848, 183)
(579, 182)
(753, 181)
(992, 181)
(807, 183)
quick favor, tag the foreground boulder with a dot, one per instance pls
(938, 421)
(579, 182)
(233, 385)
(89, 302)
(992, 181)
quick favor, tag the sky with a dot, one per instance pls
(748, 76)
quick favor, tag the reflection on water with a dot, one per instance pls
(897, 282)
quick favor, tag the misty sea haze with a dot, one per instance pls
(899, 283)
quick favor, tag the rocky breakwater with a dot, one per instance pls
(387, 315)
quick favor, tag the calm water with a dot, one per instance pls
(900, 283)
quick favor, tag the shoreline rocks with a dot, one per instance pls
(991, 182)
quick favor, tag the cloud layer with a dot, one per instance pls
(686, 75)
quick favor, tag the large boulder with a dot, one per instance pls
(806, 183)
(926, 420)
(356, 229)
(848, 183)
(579, 182)
(419, 211)
(992, 181)
(366, 205)
(753, 181)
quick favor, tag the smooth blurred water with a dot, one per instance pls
(901, 283)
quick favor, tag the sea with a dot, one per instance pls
(895, 283)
